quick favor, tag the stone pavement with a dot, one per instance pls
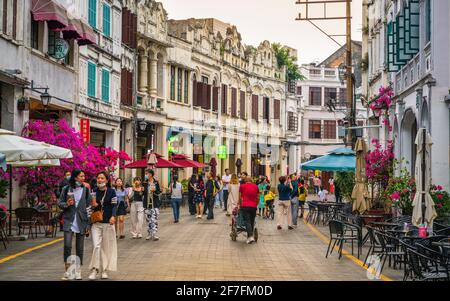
(198, 250)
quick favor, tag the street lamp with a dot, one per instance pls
(46, 98)
(142, 124)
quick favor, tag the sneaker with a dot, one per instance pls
(78, 275)
(155, 238)
(148, 237)
(291, 228)
(134, 236)
(93, 275)
(250, 240)
(121, 236)
(279, 227)
(104, 275)
(139, 236)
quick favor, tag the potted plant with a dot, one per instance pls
(400, 192)
(441, 200)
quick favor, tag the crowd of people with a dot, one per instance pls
(98, 209)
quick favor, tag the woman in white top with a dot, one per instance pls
(233, 197)
(176, 190)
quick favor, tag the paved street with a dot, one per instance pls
(199, 250)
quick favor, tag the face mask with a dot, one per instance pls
(68, 178)
(78, 184)
(146, 178)
(102, 185)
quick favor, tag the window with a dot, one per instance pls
(205, 79)
(299, 90)
(291, 87)
(242, 104)
(34, 34)
(106, 20)
(330, 93)
(428, 21)
(292, 122)
(129, 28)
(105, 85)
(342, 96)
(315, 96)
(180, 85)
(329, 129)
(277, 111)
(266, 112)
(315, 129)
(91, 79)
(255, 109)
(186, 86)
(92, 13)
(172, 83)
(52, 36)
(224, 99)
(5, 17)
(233, 102)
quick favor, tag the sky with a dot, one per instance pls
(274, 20)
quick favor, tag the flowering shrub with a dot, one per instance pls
(4, 183)
(382, 101)
(441, 200)
(379, 162)
(400, 192)
(41, 182)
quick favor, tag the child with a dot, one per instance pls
(323, 194)
(302, 194)
(269, 198)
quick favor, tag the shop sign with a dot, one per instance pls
(222, 152)
(61, 49)
(198, 150)
(85, 130)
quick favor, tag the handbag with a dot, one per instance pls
(97, 216)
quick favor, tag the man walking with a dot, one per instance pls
(248, 202)
(226, 178)
(294, 200)
(212, 187)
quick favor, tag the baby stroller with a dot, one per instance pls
(238, 225)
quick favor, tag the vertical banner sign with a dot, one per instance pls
(85, 129)
(222, 153)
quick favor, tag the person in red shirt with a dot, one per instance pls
(248, 202)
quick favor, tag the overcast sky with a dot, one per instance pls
(274, 20)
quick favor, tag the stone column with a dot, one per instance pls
(153, 77)
(143, 70)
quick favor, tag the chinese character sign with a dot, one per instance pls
(85, 130)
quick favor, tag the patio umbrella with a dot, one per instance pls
(360, 192)
(422, 199)
(23, 152)
(184, 161)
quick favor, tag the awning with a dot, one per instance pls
(74, 29)
(178, 130)
(338, 160)
(50, 11)
(162, 163)
(184, 161)
(88, 35)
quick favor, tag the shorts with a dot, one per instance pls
(301, 203)
(267, 204)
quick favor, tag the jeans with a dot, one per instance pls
(249, 215)
(316, 189)
(79, 245)
(294, 210)
(225, 199)
(176, 203)
(210, 204)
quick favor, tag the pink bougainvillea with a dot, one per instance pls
(40, 182)
(379, 162)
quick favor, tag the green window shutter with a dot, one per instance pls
(106, 20)
(91, 79)
(92, 13)
(105, 85)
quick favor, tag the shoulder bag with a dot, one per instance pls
(97, 216)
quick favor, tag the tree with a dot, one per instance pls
(41, 182)
(285, 59)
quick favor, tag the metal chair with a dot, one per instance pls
(3, 234)
(27, 218)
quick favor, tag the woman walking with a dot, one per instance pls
(123, 204)
(219, 195)
(233, 193)
(104, 255)
(198, 196)
(74, 201)
(151, 202)
(136, 197)
(262, 187)
(176, 191)
(284, 203)
(191, 193)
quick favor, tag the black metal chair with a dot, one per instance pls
(312, 212)
(27, 218)
(375, 247)
(322, 214)
(3, 234)
(424, 268)
(390, 249)
(338, 234)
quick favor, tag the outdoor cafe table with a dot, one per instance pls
(44, 216)
(366, 219)
(383, 225)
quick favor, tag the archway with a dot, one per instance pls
(408, 136)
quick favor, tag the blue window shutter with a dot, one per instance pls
(105, 85)
(106, 20)
(92, 13)
(91, 79)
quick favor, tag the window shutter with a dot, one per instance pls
(242, 104)
(199, 98)
(208, 97)
(123, 86)
(194, 93)
(92, 13)
(5, 17)
(215, 99)
(105, 85)
(266, 109)
(106, 20)
(134, 31)
(130, 88)
(276, 111)
(91, 79)
(224, 99)
(255, 107)
(14, 25)
(233, 102)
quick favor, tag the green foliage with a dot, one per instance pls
(3, 188)
(185, 184)
(400, 192)
(441, 200)
(346, 182)
(285, 59)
